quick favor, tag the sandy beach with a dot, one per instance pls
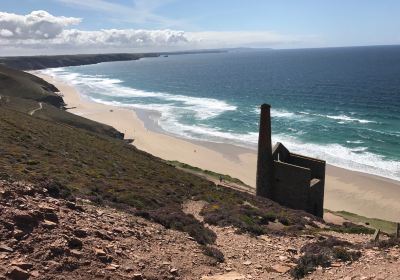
(352, 191)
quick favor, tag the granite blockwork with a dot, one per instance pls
(292, 180)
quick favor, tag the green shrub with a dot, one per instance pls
(214, 253)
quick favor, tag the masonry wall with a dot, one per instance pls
(316, 203)
(317, 166)
(291, 186)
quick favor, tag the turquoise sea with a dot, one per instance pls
(337, 104)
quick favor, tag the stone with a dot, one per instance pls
(228, 269)
(21, 264)
(137, 276)
(247, 263)
(49, 224)
(102, 255)
(17, 273)
(18, 234)
(46, 209)
(111, 268)
(51, 217)
(76, 253)
(35, 273)
(291, 250)
(174, 271)
(5, 248)
(99, 252)
(282, 258)
(280, 268)
(228, 276)
(73, 206)
(24, 219)
(80, 233)
(103, 235)
(75, 243)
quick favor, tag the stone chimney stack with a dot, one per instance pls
(265, 168)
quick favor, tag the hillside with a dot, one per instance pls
(49, 159)
(53, 61)
(42, 62)
(29, 94)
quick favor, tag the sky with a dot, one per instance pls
(92, 26)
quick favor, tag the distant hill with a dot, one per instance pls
(53, 61)
(42, 62)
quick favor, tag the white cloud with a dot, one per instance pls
(36, 25)
(123, 38)
(42, 33)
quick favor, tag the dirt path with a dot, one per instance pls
(37, 109)
(231, 185)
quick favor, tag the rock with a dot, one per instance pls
(5, 248)
(25, 219)
(137, 276)
(247, 263)
(174, 271)
(99, 252)
(46, 209)
(80, 233)
(49, 224)
(279, 268)
(75, 253)
(51, 217)
(17, 273)
(291, 250)
(75, 243)
(336, 264)
(35, 273)
(228, 276)
(308, 236)
(102, 256)
(21, 264)
(228, 269)
(18, 234)
(73, 206)
(103, 235)
(57, 248)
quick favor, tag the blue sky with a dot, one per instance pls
(278, 24)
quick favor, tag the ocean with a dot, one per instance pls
(338, 104)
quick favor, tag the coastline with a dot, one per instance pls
(352, 191)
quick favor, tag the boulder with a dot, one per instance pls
(16, 273)
(5, 248)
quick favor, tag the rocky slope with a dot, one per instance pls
(46, 236)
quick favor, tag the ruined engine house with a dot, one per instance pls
(292, 180)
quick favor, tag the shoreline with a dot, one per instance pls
(353, 191)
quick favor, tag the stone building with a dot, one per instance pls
(292, 180)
